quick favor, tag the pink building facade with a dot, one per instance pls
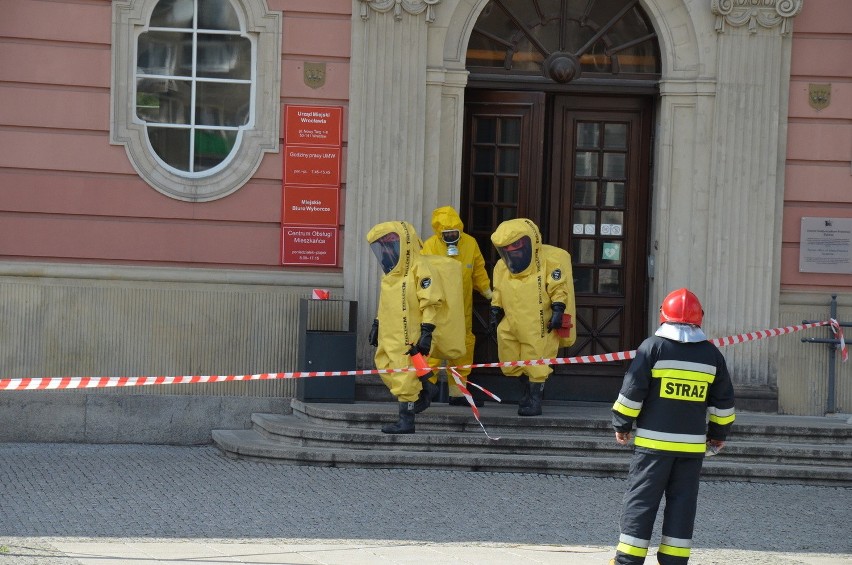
(119, 256)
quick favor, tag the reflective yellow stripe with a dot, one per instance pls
(722, 420)
(670, 445)
(632, 549)
(622, 409)
(683, 375)
(672, 550)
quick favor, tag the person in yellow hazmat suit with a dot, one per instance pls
(451, 241)
(413, 308)
(533, 299)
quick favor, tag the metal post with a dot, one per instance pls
(833, 347)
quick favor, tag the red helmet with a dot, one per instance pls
(681, 307)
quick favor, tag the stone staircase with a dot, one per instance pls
(570, 438)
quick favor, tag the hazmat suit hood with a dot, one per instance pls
(513, 232)
(408, 246)
(446, 218)
(448, 228)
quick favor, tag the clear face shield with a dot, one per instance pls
(517, 255)
(451, 238)
(386, 250)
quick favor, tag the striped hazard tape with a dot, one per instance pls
(59, 383)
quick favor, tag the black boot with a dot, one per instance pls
(534, 407)
(405, 425)
(524, 401)
(426, 394)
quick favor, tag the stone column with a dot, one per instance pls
(747, 178)
(386, 143)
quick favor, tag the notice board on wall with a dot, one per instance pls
(310, 198)
(825, 245)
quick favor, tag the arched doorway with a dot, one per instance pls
(558, 128)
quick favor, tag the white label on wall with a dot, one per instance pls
(825, 245)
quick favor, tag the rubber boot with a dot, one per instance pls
(524, 401)
(534, 408)
(405, 425)
(426, 393)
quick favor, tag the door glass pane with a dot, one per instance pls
(483, 160)
(584, 222)
(510, 131)
(614, 165)
(611, 252)
(583, 251)
(482, 188)
(508, 190)
(485, 130)
(609, 281)
(615, 136)
(584, 279)
(588, 135)
(613, 194)
(612, 218)
(586, 164)
(510, 160)
(504, 214)
(482, 219)
(585, 193)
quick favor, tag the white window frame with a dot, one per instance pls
(131, 17)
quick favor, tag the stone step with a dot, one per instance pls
(574, 439)
(579, 418)
(296, 431)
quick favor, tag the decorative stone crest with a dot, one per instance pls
(413, 7)
(819, 96)
(766, 13)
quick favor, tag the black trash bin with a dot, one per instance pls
(327, 340)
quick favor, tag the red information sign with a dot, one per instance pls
(309, 206)
(313, 125)
(318, 166)
(308, 246)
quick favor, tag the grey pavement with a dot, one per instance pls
(75, 504)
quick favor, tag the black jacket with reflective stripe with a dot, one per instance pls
(669, 390)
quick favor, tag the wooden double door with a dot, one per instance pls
(578, 166)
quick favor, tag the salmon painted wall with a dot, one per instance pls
(66, 194)
(819, 143)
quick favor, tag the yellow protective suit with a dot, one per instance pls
(473, 277)
(526, 297)
(411, 293)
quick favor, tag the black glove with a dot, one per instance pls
(424, 344)
(374, 334)
(494, 320)
(556, 319)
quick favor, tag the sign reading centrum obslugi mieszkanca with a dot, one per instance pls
(311, 185)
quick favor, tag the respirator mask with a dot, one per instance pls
(451, 238)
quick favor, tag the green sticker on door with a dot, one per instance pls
(611, 251)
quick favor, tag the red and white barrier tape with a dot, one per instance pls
(59, 383)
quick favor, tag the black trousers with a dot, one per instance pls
(651, 476)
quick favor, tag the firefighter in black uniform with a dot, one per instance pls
(676, 382)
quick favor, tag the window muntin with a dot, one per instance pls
(194, 70)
